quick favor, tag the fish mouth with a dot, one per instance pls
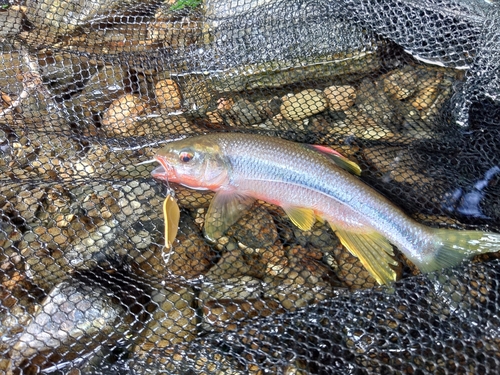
(164, 171)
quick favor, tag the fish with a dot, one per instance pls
(311, 183)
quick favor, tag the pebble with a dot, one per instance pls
(231, 314)
(425, 97)
(60, 17)
(372, 101)
(121, 116)
(340, 98)
(190, 256)
(320, 236)
(245, 113)
(350, 271)
(74, 319)
(172, 322)
(264, 261)
(104, 86)
(170, 31)
(303, 104)
(240, 287)
(397, 164)
(168, 95)
(255, 229)
(400, 84)
(11, 21)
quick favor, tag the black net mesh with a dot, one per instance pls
(409, 90)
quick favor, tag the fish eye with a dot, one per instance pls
(186, 156)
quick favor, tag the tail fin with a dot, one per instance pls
(453, 246)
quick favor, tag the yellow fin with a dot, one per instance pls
(453, 246)
(304, 218)
(320, 219)
(339, 159)
(374, 252)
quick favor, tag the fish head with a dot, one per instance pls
(195, 162)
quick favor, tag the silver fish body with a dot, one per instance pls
(308, 183)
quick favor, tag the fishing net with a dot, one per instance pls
(407, 89)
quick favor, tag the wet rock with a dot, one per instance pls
(350, 271)
(26, 204)
(422, 91)
(425, 97)
(401, 83)
(31, 158)
(13, 66)
(11, 261)
(96, 39)
(340, 98)
(18, 303)
(109, 83)
(397, 164)
(303, 104)
(198, 94)
(231, 264)
(320, 236)
(10, 22)
(347, 125)
(190, 256)
(98, 225)
(121, 117)
(221, 298)
(279, 123)
(255, 229)
(192, 199)
(168, 95)
(173, 320)
(202, 355)
(242, 287)
(245, 113)
(372, 101)
(227, 314)
(305, 280)
(293, 294)
(61, 17)
(267, 261)
(45, 267)
(72, 321)
(65, 73)
(173, 32)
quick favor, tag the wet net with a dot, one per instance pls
(407, 89)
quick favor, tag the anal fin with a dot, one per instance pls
(303, 218)
(373, 250)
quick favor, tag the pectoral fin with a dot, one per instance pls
(374, 252)
(224, 210)
(338, 159)
(304, 218)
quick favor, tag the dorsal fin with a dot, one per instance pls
(338, 159)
